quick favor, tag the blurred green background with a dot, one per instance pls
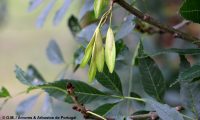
(22, 43)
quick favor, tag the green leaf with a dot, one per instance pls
(110, 80)
(99, 6)
(99, 51)
(110, 50)
(190, 97)
(190, 10)
(121, 50)
(4, 93)
(26, 105)
(83, 91)
(190, 74)
(164, 111)
(54, 53)
(74, 25)
(104, 109)
(135, 95)
(184, 64)
(153, 81)
(189, 92)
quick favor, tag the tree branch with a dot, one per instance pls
(152, 21)
(87, 114)
(151, 115)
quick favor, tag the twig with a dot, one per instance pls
(87, 114)
(151, 115)
(152, 21)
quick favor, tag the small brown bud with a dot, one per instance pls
(74, 107)
(79, 109)
(76, 98)
(146, 17)
(69, 86)
(86, 116)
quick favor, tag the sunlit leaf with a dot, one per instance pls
(4, 93)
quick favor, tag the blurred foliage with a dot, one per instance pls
(3, 11)
(149, 63)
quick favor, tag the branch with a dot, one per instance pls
(151, 115)
(148, 19)
(87, 114)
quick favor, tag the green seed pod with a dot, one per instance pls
(88, 51)
(110, 50)
(99, 51)
(99, 6)
(92, 69)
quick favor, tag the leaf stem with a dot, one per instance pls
(96, 115)
(185, 116)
